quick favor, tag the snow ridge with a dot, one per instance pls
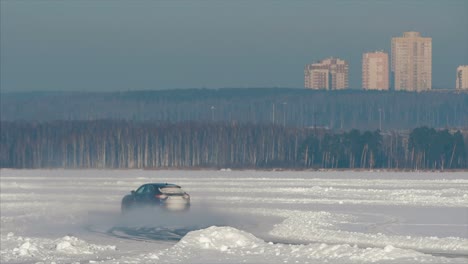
(230, 245)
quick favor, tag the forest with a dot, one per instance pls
(153, 145)
(336, 110)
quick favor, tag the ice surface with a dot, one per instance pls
(68, 216)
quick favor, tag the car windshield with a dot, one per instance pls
(172, 190)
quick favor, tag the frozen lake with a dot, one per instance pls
(67, 216)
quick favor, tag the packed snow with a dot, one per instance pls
(73, 216)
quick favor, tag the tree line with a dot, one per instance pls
(348, 109)
(128, 144)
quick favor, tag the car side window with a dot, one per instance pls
(149, 189)
(141, 190)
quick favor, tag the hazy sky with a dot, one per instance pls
(136, 45)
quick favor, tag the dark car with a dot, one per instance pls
(161, 195)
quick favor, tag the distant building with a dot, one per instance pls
(462, 77)
(412, 62)
(375, 71)
(328, 74)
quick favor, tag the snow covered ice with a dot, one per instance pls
(73, 216)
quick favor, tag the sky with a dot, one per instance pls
(105, 45)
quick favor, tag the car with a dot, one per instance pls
(157, 195)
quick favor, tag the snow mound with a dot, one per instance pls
(220, 238)
(73, 245)
(24, 249)
(27, 248)
(230, 245)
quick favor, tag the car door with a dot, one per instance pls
(149, 194)
(145, 194)
(140, 194)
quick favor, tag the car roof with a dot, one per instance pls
(161, 185)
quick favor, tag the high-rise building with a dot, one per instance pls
(327, 74)
(462, 77)
(412, 62)
(375, 71)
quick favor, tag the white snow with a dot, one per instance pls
(322, 226)
(219, 238)
(72, 216)
(29, 249)
(227, 244)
